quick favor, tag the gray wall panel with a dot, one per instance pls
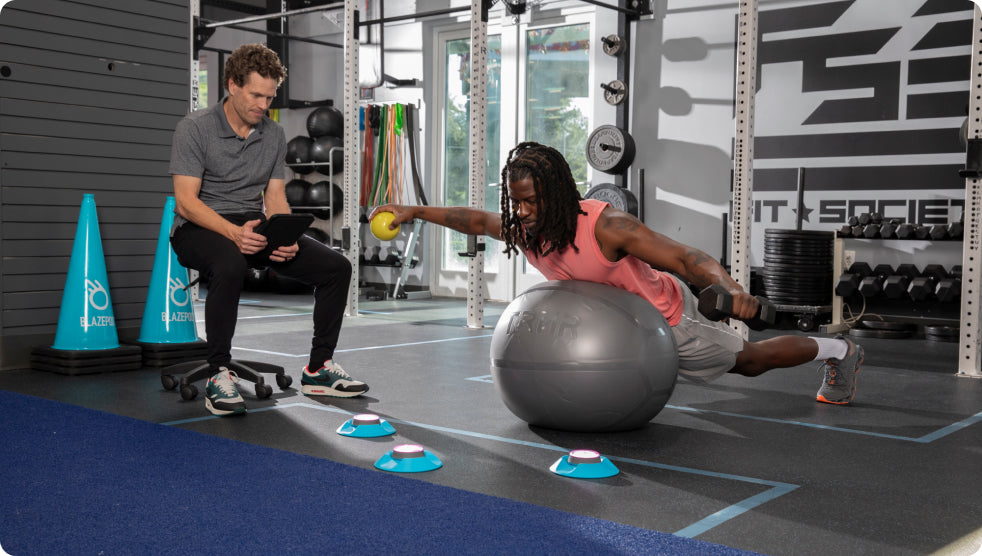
(106, 216)
(39, 194)
(74, 130)
(75, 164)
(108, 150)
(38, 38)
(76, 16)
(32, 18)
(29, 248)
(108, 183)
(66, 230)
(176, 10)
(31, 300)
(149, 121)
(30, 65)
(92, 93)
(99, 99)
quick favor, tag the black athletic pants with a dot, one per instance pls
(221, 263)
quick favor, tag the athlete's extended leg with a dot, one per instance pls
(842, 359)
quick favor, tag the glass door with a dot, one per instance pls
(555, 75)
(454, 161)
(542, 95)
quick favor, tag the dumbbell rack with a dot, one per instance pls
(838, 324)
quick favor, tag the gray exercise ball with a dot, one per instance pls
(583, 357)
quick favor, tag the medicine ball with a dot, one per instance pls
(320, 151)
(298, 152)
(325, 121)
(325, 194)
(583, 357)
(296, 192)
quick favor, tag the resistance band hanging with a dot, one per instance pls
(384, 155)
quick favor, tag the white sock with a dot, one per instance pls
(830, 348)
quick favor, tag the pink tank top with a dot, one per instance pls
(590, 265)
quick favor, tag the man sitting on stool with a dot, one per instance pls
(228, 161)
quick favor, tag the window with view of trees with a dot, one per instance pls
(557, 63)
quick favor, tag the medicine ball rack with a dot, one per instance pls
(330, 205)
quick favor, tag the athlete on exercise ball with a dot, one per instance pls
(567, 237)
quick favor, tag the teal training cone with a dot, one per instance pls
(168, 316)
(86, 318)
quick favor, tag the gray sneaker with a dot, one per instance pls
(839, 386)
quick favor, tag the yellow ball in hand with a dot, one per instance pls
(380, 226)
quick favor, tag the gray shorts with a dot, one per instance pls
(707, 349)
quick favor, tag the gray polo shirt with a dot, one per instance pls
(234, 170)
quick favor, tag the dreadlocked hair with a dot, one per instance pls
(557, 200)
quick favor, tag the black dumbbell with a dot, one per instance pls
(872, 230)
(895, 286)
(921, 231)
(717, 304)
(909, 270)
(948, 290)
(872, 285)
(865, 218)
(939, 232)
(860, 268)
(847, 284)
(888, 230)
(905, 231)
(924, 285)
(956, 230)
(936, 271)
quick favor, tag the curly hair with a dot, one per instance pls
(250, 58)
(557, 200)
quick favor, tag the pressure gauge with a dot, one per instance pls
(610, 149)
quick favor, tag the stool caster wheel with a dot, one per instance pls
(169, 382)
(263, 391)
(189, 392)
(284, 381)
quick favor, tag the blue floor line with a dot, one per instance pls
(777, 488)
(733, 511)
(930, 437)
(954, 427)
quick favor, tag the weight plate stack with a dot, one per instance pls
(941, 333)
(880, 333)
(798, 267)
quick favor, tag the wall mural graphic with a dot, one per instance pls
(870, 102)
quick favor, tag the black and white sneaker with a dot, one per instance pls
(331, 380)
(222, 396)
